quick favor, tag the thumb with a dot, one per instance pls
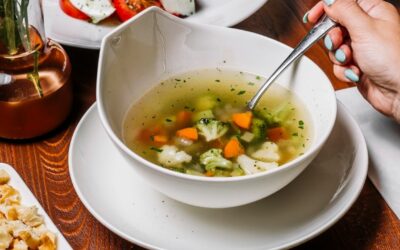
(348, 14)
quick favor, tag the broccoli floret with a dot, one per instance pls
(211, 129)
(213, 159)
(258, 128)
(276, 118)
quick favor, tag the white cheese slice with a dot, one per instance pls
(179, 7)
(97, 10)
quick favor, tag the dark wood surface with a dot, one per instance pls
(43, 162)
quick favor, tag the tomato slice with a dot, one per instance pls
(128, 8)
(72, 11)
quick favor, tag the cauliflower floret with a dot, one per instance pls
(171, 157)
(269, 152)
(251, 166)
(213, 159)
(211, 129)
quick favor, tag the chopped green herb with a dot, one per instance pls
(251, 83)
(301, 124)
(178, 80)
(295, 134)
(159, 150)
(241, 92)
(258, 77)
(218, 100)
(168, 120)
(218, 80)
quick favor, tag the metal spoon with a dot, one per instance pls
(316, 33)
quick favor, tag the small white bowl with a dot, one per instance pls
(154, 46)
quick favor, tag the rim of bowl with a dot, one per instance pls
(104, 119)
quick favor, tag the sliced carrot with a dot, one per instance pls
(147, 135)
(276, 134)
(243, 120)
(160, 139)
(209, 173)
(183, 119)
(188, 133)
(233, 149)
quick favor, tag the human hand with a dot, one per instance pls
(365, 48)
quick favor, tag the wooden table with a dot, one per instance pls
(43, 162)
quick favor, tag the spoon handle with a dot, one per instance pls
(316, 33)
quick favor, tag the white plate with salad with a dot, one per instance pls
(84, 23)
(117, 196)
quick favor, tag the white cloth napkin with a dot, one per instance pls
(383, 140)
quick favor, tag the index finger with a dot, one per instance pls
(313, 15)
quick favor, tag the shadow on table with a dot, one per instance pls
(274, 22)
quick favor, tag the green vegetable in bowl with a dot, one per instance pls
(258, 128)
(278, 116)
(211, 129)
(213, 159)
(206, 102)
(202, 115)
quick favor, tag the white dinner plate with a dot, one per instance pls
(28, 199)
(73, 32)
(124, 203)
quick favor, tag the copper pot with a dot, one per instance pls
(23, 113)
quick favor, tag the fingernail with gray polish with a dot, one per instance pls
(305, 18)
(340, 56)
(351, 75)
(328, 42)
(329, 2)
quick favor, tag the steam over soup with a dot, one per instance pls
(197, 123)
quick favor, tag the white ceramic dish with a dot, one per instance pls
(28, 199)
(72, 32)
(119, 198)
(168, 46)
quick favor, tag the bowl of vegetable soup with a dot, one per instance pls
(172, 97)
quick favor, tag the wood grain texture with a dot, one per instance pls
(43, 162)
